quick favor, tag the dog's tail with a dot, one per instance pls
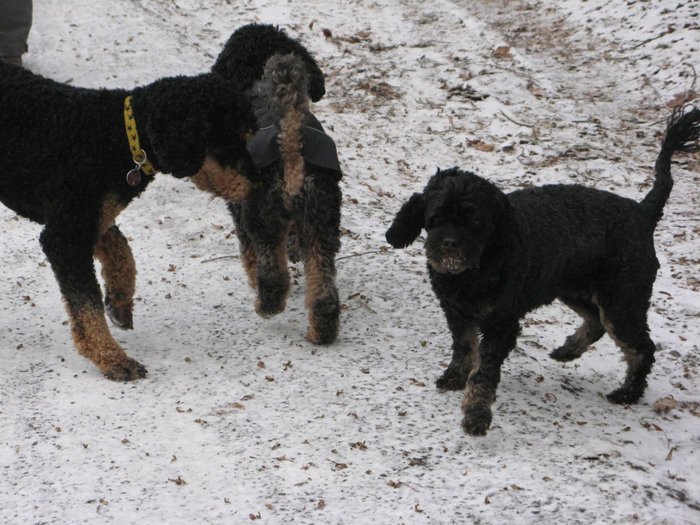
(284, 90)
(682, 134)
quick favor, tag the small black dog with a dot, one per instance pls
(295, 214)
(73, 158)
(494, 257)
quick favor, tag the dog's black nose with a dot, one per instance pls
(448, 243)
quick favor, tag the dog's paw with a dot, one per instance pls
(477, 419)
(127, 370)
(567, 352)
(451, 379)
(267, 308)
(121, 317)
(624, 396)
(324, 318)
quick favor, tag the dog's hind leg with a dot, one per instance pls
(623, 313)
(119, 274)
(272, 274)
(262, 223)
(588, 333)
(498, 339)
(69, 249)
(318, 228)
(626, 323)
(245, 244)
(465, 351)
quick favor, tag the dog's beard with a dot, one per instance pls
(453, 261)
(452, 264)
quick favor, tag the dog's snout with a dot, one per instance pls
(449, 243)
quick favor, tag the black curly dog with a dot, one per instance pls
(494, 257)
(64, 159)
(295, 214)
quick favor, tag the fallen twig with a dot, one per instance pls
(515, 121)
(359, 254)
(219, 258)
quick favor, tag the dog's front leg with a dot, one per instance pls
(70, 252)
(119, 273)
(465, 350)
(480, 393)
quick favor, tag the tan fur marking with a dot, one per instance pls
(93, 340)
(477, 394)
(584, 335)
(471, 336)
(290, 145)
(634, 359)
(250, 264)
(318, 286)
(118, 268)
(111, 207)
(222, 182)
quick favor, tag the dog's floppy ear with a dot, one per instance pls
(408, 222)
(317, 83)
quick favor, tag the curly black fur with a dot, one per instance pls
(296, 214)
(249, 47)
(63, 159)
(494, 257)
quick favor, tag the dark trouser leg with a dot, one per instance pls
(15, 23)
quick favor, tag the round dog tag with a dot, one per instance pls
(133, 177)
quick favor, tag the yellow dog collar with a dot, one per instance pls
(141, 162)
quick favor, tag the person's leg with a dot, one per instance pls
(15, 23)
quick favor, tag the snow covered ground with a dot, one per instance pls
(240, 419)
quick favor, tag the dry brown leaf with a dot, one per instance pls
(681, 98)
(502, 52)
(535, 90)
(481, 145)
(665, 405)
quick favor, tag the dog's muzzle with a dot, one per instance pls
(450, 263)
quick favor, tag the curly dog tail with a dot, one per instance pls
(682, 134)
(284, 89)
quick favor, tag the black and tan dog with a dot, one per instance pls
(295, 214)
(494, 257)
(72, 159)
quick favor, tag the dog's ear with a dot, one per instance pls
(408, 222)
(317, 83)
(179, 144)
(176, 124)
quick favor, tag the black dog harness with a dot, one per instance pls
(318, 149)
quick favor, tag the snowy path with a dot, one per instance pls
(240, 419)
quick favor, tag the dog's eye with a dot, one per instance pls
(475, 222)
(436, 221)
